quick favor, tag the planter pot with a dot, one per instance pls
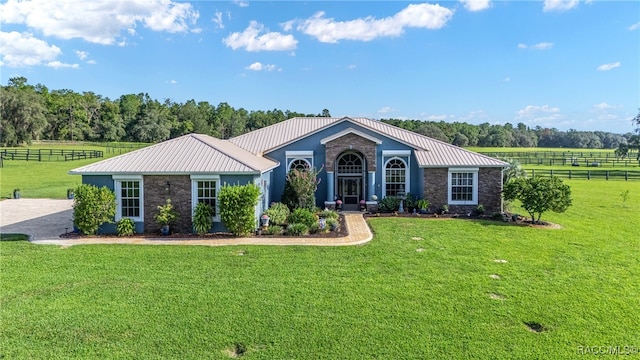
(16, 194)
(70, 194)
(164, 230)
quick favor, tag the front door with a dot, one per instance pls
(350, 192)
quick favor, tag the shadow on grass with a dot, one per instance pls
(13, 237)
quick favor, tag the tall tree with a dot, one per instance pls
(22, 113)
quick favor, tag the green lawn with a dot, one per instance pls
(394, 298)
(46, 179)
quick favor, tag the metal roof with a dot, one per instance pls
(188, 154)
(429, 152)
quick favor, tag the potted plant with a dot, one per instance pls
(16, 193)
(423, 205)
(166, 216)
(339, 204)
(363, 205)
(264, 220)
(70, 193)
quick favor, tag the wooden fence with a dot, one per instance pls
(588, 174)
(48, 154)
(567, 158)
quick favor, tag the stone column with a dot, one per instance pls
(330, 185)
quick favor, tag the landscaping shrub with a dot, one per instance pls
(333, 224)
(273, 230)
(328, 214)
(297, 229)
(303, 216)
(538, 195)
(93, 206)
(300, 189)
(389, 204)
(278, 213)
(314, 228)
(167, 214)
(237, 208)
(126, 227)
(202, 218)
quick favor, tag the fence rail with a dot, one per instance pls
(48, 154)
(588, 174)
(568, 158)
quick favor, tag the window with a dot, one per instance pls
(129, 198)
(395, 177)
(204, 189)
(350, 164)
(299, 164)
(463, 187)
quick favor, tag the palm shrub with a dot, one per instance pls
(202, 218)
(278, 213)
(237, 208)
(303, 216)
(389, 204)
(92, 207)
(126, 227)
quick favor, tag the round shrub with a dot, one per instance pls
(333, 224)
(314, 228)
(273, 230)
(297, 229)
(125, 227)
(328, 214)
(303, 216)
(278, 213)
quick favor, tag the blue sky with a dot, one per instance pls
(566, 64)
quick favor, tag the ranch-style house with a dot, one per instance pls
(360, 158)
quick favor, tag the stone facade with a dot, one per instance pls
(155, 194)
(436, 182)
(335, 147)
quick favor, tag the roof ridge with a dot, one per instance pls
(222, 150)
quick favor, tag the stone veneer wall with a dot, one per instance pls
(351, 142)
(436, 182)
(155, 195)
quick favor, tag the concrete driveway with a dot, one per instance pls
(41, 219)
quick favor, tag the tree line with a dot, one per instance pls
(34, 112)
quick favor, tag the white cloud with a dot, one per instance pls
(609, 66)
(59, 65)
(241, 3)
(22, 49)
(328, 30)
(351, 66)
(538, 46)
(81, 54)
(507, 79)
(476, 5)
(252, 41)
(603, 106)
(537, 113)
(217, 19)
(559, 5)
(98, 21)
(635, 26)
(385, 110)
(258, 66)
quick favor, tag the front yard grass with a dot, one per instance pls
(422, 289)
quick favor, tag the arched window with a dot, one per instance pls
(395, 176)
(299, 164)
(350, 163)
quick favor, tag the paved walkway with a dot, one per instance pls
(45, 219)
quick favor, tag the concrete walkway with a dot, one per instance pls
(46, 219)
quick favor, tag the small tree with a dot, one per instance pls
(92, 207)
(539, 195)
(202, 218)
(302, 185)
(237, 208)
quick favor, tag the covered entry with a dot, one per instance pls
(350, 174)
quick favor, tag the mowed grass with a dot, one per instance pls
(422, 289)
(45, 179)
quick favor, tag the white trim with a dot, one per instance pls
(117, 187)
(389, 153)
(194, 192)
(350, 131)
(473, 171)
(301, 153)
(291, 160)
(407, 174)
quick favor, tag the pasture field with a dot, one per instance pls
(47, 179)
(421, 289)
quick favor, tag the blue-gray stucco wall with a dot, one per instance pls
(312, 143)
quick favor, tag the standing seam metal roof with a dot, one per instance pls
(188, 154)
(429, 152)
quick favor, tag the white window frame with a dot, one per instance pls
(306, 156)
(473, 171)
(194, 192)
(117, 185)
(407, 173)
